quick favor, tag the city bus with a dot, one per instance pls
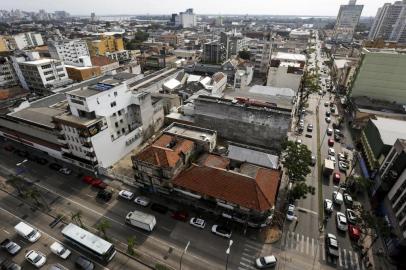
(89, 242)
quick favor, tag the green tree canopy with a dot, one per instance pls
(296, 159)
(300, 191)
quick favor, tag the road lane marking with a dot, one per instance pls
(246, 254)
(254, 243)
(350, 254)
(302, 244)
(340, 257)
(307, 245)
(307, 211)
(252, 247)
(322, 250)
(245, 259)
(313, 247)
(165, 229)
(246, 265)
(6, 231)
(297, 242)
(356, 261)
(345, 258)
(292, 239)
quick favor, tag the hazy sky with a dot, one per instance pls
(271, 7)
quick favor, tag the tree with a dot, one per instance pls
(77, 218)
(18, 183)
(131, 245)
(102, 227)
(33, 194)
(377, 225)
(296, 159)
(244, 54)
(300, 190)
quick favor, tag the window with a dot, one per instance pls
(123, 130)
(116, 124)
(113, 104)
(121, 121)
(45, 66)
(119, 112)
(115, 94)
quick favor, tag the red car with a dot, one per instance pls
(181, 216)
(336, 178)
(95, 182)
(354, 231)
(330, 142)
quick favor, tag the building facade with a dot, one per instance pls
(8, 77)
(71, 52)
(26, 40)
(261, 52)
(105, 44)
(214, 53)
(347, 19)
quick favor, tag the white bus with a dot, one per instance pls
(89, 242)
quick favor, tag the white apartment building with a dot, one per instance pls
(42, 75)
(72, 52)
(26, 40)
(8, 77)
(261, 52)
(106, 121)
(347, 20)
(186, 19)
(119, 56)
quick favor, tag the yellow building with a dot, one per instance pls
(105, 44)
(3, 44)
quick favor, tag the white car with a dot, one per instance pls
(331, 151)
(198, 222)
(328, 119)
(221, 230)
(328, 206)
(341, 222)
(266, 262)
(36, 258)
(65, 171)
(337, 197)
(333, 159)
(60, 250)
(143, 201)
(125, 194)
(290, 214)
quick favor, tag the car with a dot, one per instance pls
(332, 158)
(328, 114)
(65, 171)
(328, 206)
(320, 92)
(328, 119)
(290, 213)
(351, 216)
(342, 157)
(299, 141)
(332, 245)
(266, 262)
(84, 263)
(60, 250)
(337, 131)
(98, 183)
(348, 199)
(88, 179)
(159, 208)
(9, 148)
(337, 197)
(341, 222)
(143, 201)
(36, 258)
(336, 178)
(11, 247)
(329, 131)
(354, 231)
(309, 127)
(6, 264)
(197, 222)
(330, 142)
(308, 135)
(337, 138)
(221, 230)
(332, 109)
(125, 194)
(180, 215)
(331, 151)
(104, 195)
(57, 266)
(342, 166)
(55, 167)
(313, 161)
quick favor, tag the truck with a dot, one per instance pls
(141, 220)
(27, 232)
(328, 167)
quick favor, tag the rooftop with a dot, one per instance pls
(41, 116)
(272, 91)
(390, 129)
(256, 157)
(190, 132)
(82, 121)
(41, 61)
(290, 56)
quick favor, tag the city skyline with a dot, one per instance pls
(137, 7)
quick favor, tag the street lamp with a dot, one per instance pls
(183, 253)
(228, 251)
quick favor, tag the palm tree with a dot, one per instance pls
(77, 218)
(16, 182)
(131, 245)
(33, 194)
(102, 227)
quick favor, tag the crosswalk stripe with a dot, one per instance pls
(251, 247)
(254, 243)
(240, 268)
(350, 254)
(302, 244)
(313, 247)
(322, 251)
(297, 242)
(245, 259)
(339, 257)
(345, 258)
(356, 261)
(292, 238)
(246, 265)
(247, 255)
(307, 245)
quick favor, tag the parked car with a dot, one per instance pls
(57, 266)
(143, 201)
(354, 231)
(337, 138)
(342, 166)
(337, 197)
(331, 151)
(313, 161)
(180, 215)
(328, 206)
(36, 258)
(290, 213)
(328, 119)
(326, 104)
(341, 222)
(332, 109)
(342, 157)
(198, 222)
(55, 167)
(98, 183)
(125, 194)
(332, 245)
(87, 179)
(104, 195)
(309, 127)
(351, 217)
(266, 262)
(84, 263)
(330, 142)
(6, 264)
(348, 199)
(40, 160)
(328, 114)
(332, 158)
(60, 250)
(329, 131)
(221, 230)
(336, 178)
(65, 171)
(10, 246)
(159, 208)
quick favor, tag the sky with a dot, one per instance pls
(266, 7)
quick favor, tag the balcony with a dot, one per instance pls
(88, 145)
(61, 138)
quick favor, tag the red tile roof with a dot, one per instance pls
(159, 153)
(258, 194)
(210, 160)
(101, 60)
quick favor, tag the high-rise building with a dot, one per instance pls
(214, 52)
(26, 40)
(8, 77)
(185, 19)
(347, 20)
(72, 52)
(390, 22)
(105, 44)
(233, 42)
